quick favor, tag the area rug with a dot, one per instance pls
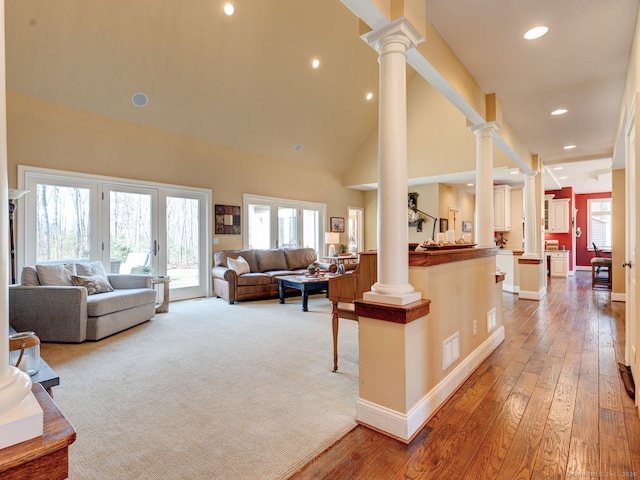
(209, 391)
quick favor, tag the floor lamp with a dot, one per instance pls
(13, 196)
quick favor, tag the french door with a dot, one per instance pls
(281, 223)
(130, 228)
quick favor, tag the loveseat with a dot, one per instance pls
(77, 302)
(251, 274)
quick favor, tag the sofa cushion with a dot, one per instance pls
(220, 258)
(250, 279)
(239, 265)
(94, 284)
(271, 260)
(119, 299)
(56, 274)
(299, 258)
(90, 269)
(29, 277)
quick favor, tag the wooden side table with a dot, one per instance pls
(164, 306)
(45, 457)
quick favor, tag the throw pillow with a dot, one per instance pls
(29, 277)
(90, 269)
(94, 284)
(240, 265)
(56, 274)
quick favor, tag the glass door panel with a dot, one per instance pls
(131, 239)
(311, 229)
(183, 242)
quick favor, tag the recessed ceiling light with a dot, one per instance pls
(469, 184)
(562, 178)
(229, 9)
(139, 99)
(515, 172)
(557, 168)
(560, 111)
(297, 148)
(369, 96)
(569, 147)
(315, 63)
(536, 32)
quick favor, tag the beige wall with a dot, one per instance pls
(51, 136)
(619, 236)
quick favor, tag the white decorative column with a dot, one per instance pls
(20, 414)
(530, 231)
(392, 43)
(484, 183)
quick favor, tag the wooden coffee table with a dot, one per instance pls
(304, 284)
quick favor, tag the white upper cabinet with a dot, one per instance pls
(502, 208)
(558, 220)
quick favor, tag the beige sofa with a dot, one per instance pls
(264, 266)
(58, 310)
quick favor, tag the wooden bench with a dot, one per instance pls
(344, 289)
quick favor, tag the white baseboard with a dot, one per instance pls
(404, 426)
(529, 295)
(618, 297)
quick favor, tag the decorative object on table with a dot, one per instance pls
(466, 226)
(311, 269)
(24, 352)
(332, 238)
(414, 215)
(13, 196)
(337, 224)
(227, 219)
(500, 240)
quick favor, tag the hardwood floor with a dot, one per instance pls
(549, 403)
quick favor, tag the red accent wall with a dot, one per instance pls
(584, 256)
(564, 239)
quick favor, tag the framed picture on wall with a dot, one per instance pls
(466, 226)
(444, 225)
(337, 224)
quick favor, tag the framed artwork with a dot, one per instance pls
(227, 221)
(444, 225)
(337, 224)
(466, 226)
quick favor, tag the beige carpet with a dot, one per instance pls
(208, 391)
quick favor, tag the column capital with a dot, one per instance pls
(399, 30)
(485, 128)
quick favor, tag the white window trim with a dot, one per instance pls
(589, 214)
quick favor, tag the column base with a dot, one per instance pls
(24, 419)
(392, 299)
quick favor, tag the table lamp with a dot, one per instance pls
(332, 238)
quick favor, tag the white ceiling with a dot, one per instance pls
(580, 65)
(245, 81)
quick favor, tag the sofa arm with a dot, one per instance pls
(129, 280)
(55, 314)
(225, 273)
(225, 283)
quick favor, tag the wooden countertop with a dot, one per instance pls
(438, 257)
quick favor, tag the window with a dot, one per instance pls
(129, 226)
(354, 230)
(282, 223)
(600, 233)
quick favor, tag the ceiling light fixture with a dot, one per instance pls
(469, 184)
(139, 99)
(229, 9)
(569, 147)
(562, 178)
(557, 168)
(536, 32)
(315, 63)
(369, 96)
(560, 111)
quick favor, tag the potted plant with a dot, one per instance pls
(312, 269)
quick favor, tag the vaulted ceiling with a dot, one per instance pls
(246, 80)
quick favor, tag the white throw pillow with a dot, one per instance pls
(240, 265)
(56, 274)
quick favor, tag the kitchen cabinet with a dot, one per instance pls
(558, 263)
(502, 208)
(557, 218)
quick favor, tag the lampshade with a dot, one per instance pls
(331, 238)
